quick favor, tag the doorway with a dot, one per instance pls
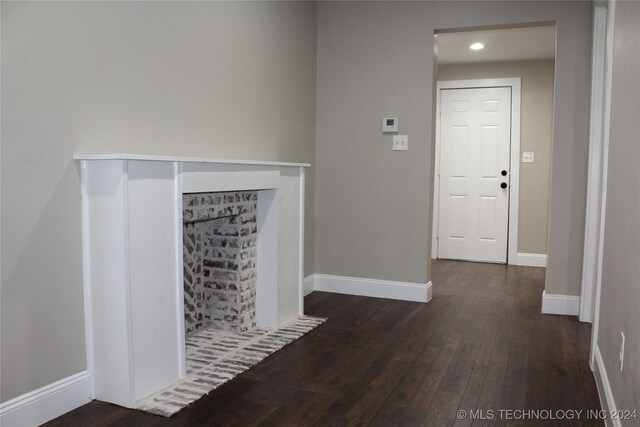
(483, 209)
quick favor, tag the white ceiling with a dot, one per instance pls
(515, 44)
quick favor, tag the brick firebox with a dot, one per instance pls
(219, 237)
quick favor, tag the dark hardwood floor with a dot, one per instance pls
(481, 343)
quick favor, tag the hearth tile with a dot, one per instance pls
(214, 357)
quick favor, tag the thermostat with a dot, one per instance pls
(390, 124)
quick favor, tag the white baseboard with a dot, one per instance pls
(404, 291)
(531, 260)
(48, 402)
(307, 285)
(604, 389)
(568, 305)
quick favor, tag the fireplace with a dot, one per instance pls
(143, 217)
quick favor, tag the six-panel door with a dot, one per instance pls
(475, 135)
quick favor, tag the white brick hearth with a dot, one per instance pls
(215, 357)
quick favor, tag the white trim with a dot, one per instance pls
(48, 402)
(611, 8)
(594, 177)
(531, 260)
(605, 394)
(514, 193)
(127, 283)
(150, 157)
(567, 305)
(404, 291)
(86, 278)
(267, 299)
(301, 289)
(308, 285)
(179, 285)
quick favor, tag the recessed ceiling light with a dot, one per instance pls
(476, 46)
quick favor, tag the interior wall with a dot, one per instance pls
(536, 134)
(620, 297)
(373, 205)
(210, 79)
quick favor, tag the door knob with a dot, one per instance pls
(503, 185)
(504, 172)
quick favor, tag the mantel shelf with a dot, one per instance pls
(151, 157)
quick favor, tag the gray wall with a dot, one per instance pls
(536, 133)
(620, 294)
(373, 205)
(225, 80)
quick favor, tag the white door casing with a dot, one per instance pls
(595, 177)
(609, 32)
(474, 163)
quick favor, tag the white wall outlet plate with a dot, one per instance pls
(527, 157)
(390, 124)
(400, 143)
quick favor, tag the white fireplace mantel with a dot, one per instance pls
(133, 266)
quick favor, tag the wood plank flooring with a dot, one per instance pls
(481, 343)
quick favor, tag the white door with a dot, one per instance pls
(475, 140)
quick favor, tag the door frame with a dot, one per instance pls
(601, 68)
(514, 84)
(609, 31)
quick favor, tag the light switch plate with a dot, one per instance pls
(400, 143)
(527, 157)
